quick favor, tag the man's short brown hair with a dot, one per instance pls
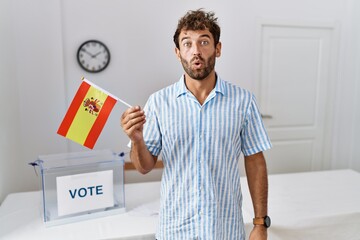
(198, 20)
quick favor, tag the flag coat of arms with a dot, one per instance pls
(87, 114)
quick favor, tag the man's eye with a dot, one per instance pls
(204, 43)
(186, 44)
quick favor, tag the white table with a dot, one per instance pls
(313, 205)
(21, 218)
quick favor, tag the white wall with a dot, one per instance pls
(347, 109)
(355, 159)
(9, 116)
(40, 39)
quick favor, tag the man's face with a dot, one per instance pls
(197, 53)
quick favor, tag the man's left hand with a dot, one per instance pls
(258, 233)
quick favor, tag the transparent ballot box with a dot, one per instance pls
(82, 185)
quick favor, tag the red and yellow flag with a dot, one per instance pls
(87, 114)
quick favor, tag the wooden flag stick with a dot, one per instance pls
(113, 96)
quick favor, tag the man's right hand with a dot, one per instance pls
(132, 122)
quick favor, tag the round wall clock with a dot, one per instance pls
(93, 56)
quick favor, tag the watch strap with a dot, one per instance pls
(259, 221)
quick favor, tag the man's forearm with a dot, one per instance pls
(142, 159)
(256, 172)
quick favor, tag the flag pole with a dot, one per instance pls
(113, 96)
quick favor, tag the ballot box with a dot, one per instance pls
(82, 185)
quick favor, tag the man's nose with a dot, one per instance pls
(196, 49)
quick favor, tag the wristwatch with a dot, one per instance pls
(264, 221)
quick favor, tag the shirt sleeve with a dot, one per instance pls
(151, 132)
(254, 136)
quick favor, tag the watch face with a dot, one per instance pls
(93, 56)
(267, 221)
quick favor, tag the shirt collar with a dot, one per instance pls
(219, 86)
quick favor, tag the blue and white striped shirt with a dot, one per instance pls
(200, 147)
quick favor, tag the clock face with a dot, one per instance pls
(93, 56)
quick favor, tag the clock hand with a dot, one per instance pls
(84, 50)
(94, 56)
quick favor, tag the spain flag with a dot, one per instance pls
(87, 114)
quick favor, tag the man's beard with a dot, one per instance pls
(199, 74)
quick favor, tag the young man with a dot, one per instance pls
(201, 124)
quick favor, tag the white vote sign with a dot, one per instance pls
(84, 192)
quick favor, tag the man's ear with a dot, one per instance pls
(177, 52)
(218, 49)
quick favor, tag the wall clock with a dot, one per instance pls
(93, 56)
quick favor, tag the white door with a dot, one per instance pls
(294, 83)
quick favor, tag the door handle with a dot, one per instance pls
(266, 116)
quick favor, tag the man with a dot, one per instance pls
(201, 124)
